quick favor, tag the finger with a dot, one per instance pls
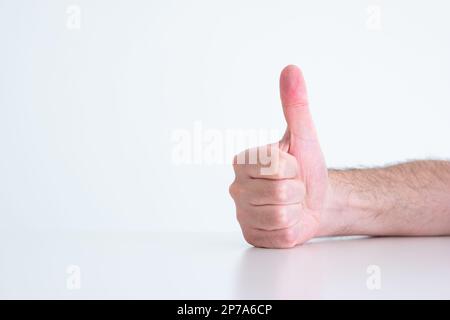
(265, 163)
(295, 106)
(260, 192)
(283, 238)
(269, 217)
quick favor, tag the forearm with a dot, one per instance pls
(406, 199)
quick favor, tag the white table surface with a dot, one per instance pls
(147, 265)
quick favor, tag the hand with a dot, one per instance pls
(281, 209)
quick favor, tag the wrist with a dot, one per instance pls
(347, 210)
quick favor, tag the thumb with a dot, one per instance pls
(294, 99)
(301, 137)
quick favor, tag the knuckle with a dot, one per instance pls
(234, 190)
(240, 158)
(281, 191)
(280, 218)
(268, 157)
(279, 168)
(249, 238)
(288, 238)
(282, 165)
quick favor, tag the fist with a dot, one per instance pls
(280, 189)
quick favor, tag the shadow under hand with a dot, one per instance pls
(338, 268)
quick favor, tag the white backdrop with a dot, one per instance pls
(92, 94)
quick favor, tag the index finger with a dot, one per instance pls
(258, 163)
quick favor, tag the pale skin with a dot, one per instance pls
(303, 199)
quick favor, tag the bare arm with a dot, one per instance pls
(406, 199)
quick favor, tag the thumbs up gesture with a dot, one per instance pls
(282, 208)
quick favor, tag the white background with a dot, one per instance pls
(87, 115)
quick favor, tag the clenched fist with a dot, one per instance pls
(280, 194)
